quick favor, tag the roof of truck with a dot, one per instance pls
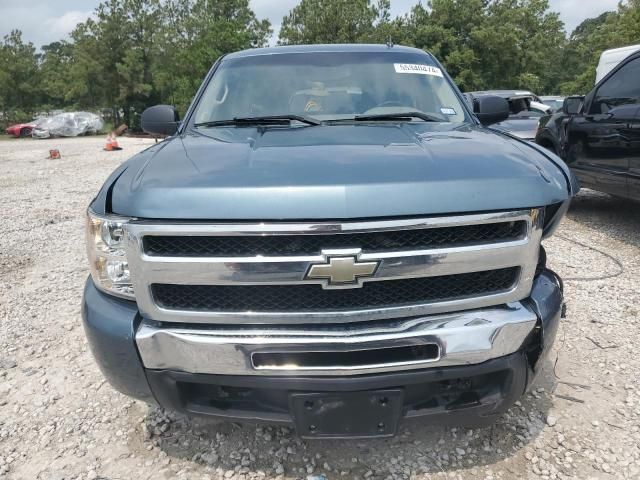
(324, 48)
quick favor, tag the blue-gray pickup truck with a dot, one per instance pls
(332, 239)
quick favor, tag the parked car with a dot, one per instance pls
(21, 129)
(68, 124)
(511, 94)
(331, 239)
(525, 110)
(553, 101)
(598, 135)
(609, 59)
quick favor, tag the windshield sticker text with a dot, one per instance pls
(447, 111)
(416, 68)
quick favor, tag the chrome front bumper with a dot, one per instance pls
(462, 338)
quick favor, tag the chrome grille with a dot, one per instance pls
(258, 273)
(394, 240)
(305, 298)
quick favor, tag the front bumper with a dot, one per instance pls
(484, 360)
(455, 339)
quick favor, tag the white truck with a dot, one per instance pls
(611, 58)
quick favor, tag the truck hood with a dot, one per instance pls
(335, 172)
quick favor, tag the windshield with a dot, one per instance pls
(555, 104)
(525, 107)
(328, 86)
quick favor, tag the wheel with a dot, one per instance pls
(26, 132)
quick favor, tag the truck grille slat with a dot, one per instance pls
(300, 298)
(283, 245)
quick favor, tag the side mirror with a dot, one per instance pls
(490, 109)
(160, 120)
(572, 105)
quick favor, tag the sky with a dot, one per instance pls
(45, 21)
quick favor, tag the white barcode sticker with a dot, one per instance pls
(417, 68)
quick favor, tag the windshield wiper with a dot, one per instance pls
(264, 120)
(397, 116)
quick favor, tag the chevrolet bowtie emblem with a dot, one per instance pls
(342, 271)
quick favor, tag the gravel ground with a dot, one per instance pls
(60, 420)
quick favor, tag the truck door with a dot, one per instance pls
(600, 142)
(634, 160)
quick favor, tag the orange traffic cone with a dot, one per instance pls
(108, 147)
(112, 143)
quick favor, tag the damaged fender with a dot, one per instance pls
(547, 302)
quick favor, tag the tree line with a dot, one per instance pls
(134, 53)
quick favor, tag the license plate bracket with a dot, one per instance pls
(364, 414)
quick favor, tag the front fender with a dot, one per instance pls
(547, 302)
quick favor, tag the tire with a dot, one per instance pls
(25, 132)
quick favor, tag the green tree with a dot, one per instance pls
(526, 41)
(111, 30)
(86, 82)
(134, 53)
(577, 56)
(55, 62)
(592, 37)
(490, 44)
(113, 57)
(135, 68)
(451, 30)
(195, 34)
(19, 78)
(335, 21)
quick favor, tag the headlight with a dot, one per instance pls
(107, 255)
